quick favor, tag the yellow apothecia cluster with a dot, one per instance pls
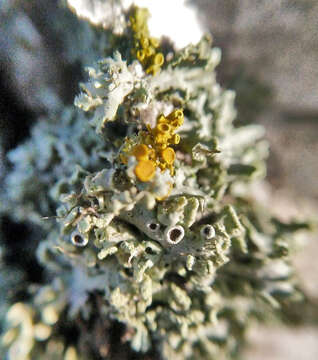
(153, 150)
(144, 45)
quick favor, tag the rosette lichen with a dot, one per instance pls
(157, 234)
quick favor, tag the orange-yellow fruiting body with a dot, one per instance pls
(155, 150)
(144, 45)
(141, 152)
(145, 170)
(175, 139)
(168, 155)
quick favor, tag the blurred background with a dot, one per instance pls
(270, 58)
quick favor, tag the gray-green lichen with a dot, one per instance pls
(184, 261)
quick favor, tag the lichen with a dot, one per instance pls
(151, 147)
(144, 45)
(145, 226)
